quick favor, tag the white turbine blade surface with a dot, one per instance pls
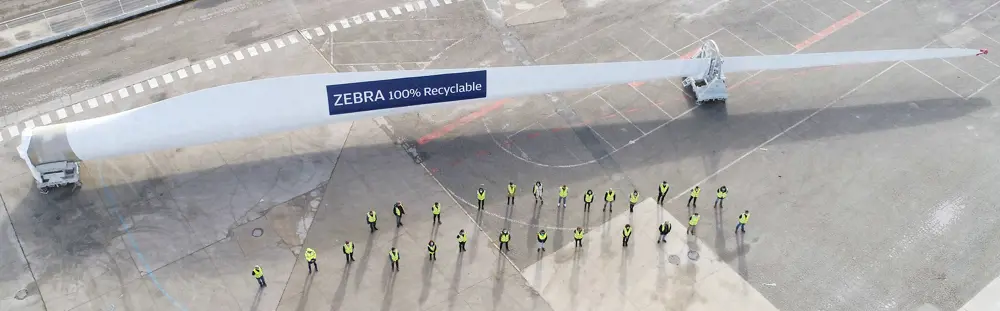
(777, 62)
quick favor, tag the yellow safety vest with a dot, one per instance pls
(511, 189)
(720, 194)
(694, 220)
(481, 195)
(627, 232)
(665, 228)
(398, 209)
(542, 237)
(609, 196)
(258, 273)
(578, 234)
(588, 198)
(563, 192)
(436, 209)
(310, 254)
(534, 190)
(462, 238)
(371, 216)
(394, 255)
(504, 237)
(744, 218)
(634, 197)
(695, 192)
(431, 248)
(663, 188)
(349, 248)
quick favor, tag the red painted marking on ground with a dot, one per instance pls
(461, 121)
(636, 84)
(434, 170)
(481, 153)
(533, 135)
(829, 30)
(456, 162)
(632, 110)
(557, 129)
(609, 116)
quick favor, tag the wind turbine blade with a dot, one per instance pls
(777, 62)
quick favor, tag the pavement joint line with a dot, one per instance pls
(921, 72)
(279, 41)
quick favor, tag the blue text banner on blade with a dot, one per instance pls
(405, 92)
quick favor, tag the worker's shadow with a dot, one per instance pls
(364, 260)
(338, 297)
(455, 280)
(256, 299)
(306, 289)
(720, 238)
(426, 275)
(389, 286)
(498, 282)
(713, 115)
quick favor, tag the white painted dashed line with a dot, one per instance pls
(305, 34)
(266, 47)
(123, 93)
(292, 39)
(383, 13)
(168, 78)
(279, 43)
(239, 55)
(225, 60)
(331, 27)
(319, 31)
(252, 51)
(152, 83)
(182, 73)
(358, 20)
(211, 64)
(447, 1)
(77, 108)
(138, 88)
(92, 103)
(30, 124)
(196, 68)
(108, 98)
(409, 7)
(400, 67)
(61, 113)
(345, 24)
(46, 119)
(422, 5)
(374, 68)
(396, 10)
(13, 131)
(371, 16)
(435, 3)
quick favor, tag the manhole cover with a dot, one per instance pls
(674, 259)
(257, 232)
(693, 255)
(21, 294)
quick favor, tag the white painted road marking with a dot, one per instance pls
(168, 78)
(383, 13)
(210, 63)
(988, 299)
(92, 103)
(239, 55)
(196, 68)
(123, 93)
(345, 24)
(137, 88)
(422, 5)
(30, 124)
(435, 3)
(182, 73)
(358, 20)
(108, 98)
(292, 39)
(225, 59)
(61, 113)
(371, 16)
(13, 131)
(152, 83)
(280, 43)
(77, 108)
(253, 50)
(46, 119)
(396, 10)
(409, 7)
(305, 34)
(266, 47)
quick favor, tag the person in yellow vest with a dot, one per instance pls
(461, 240)
(744, 218)
(436, 211)
(431, 249)
(511, 190)
(578, 237)
(537, 191)
(504, 240)
(692, 222)
(371, 220)
(311, 259)
(563, 193)
(720, 195)
(481, 196)
(542, 237)
(394, 258)
(349, 251)
(664, 229)
(694, 196)
(587, 199)
(609, 198)
(398, 210)
(632, 200)
(258, 274)
(664, 187)
(626, 234)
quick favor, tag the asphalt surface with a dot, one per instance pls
(869, 186)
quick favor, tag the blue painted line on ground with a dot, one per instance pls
(135, 247)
